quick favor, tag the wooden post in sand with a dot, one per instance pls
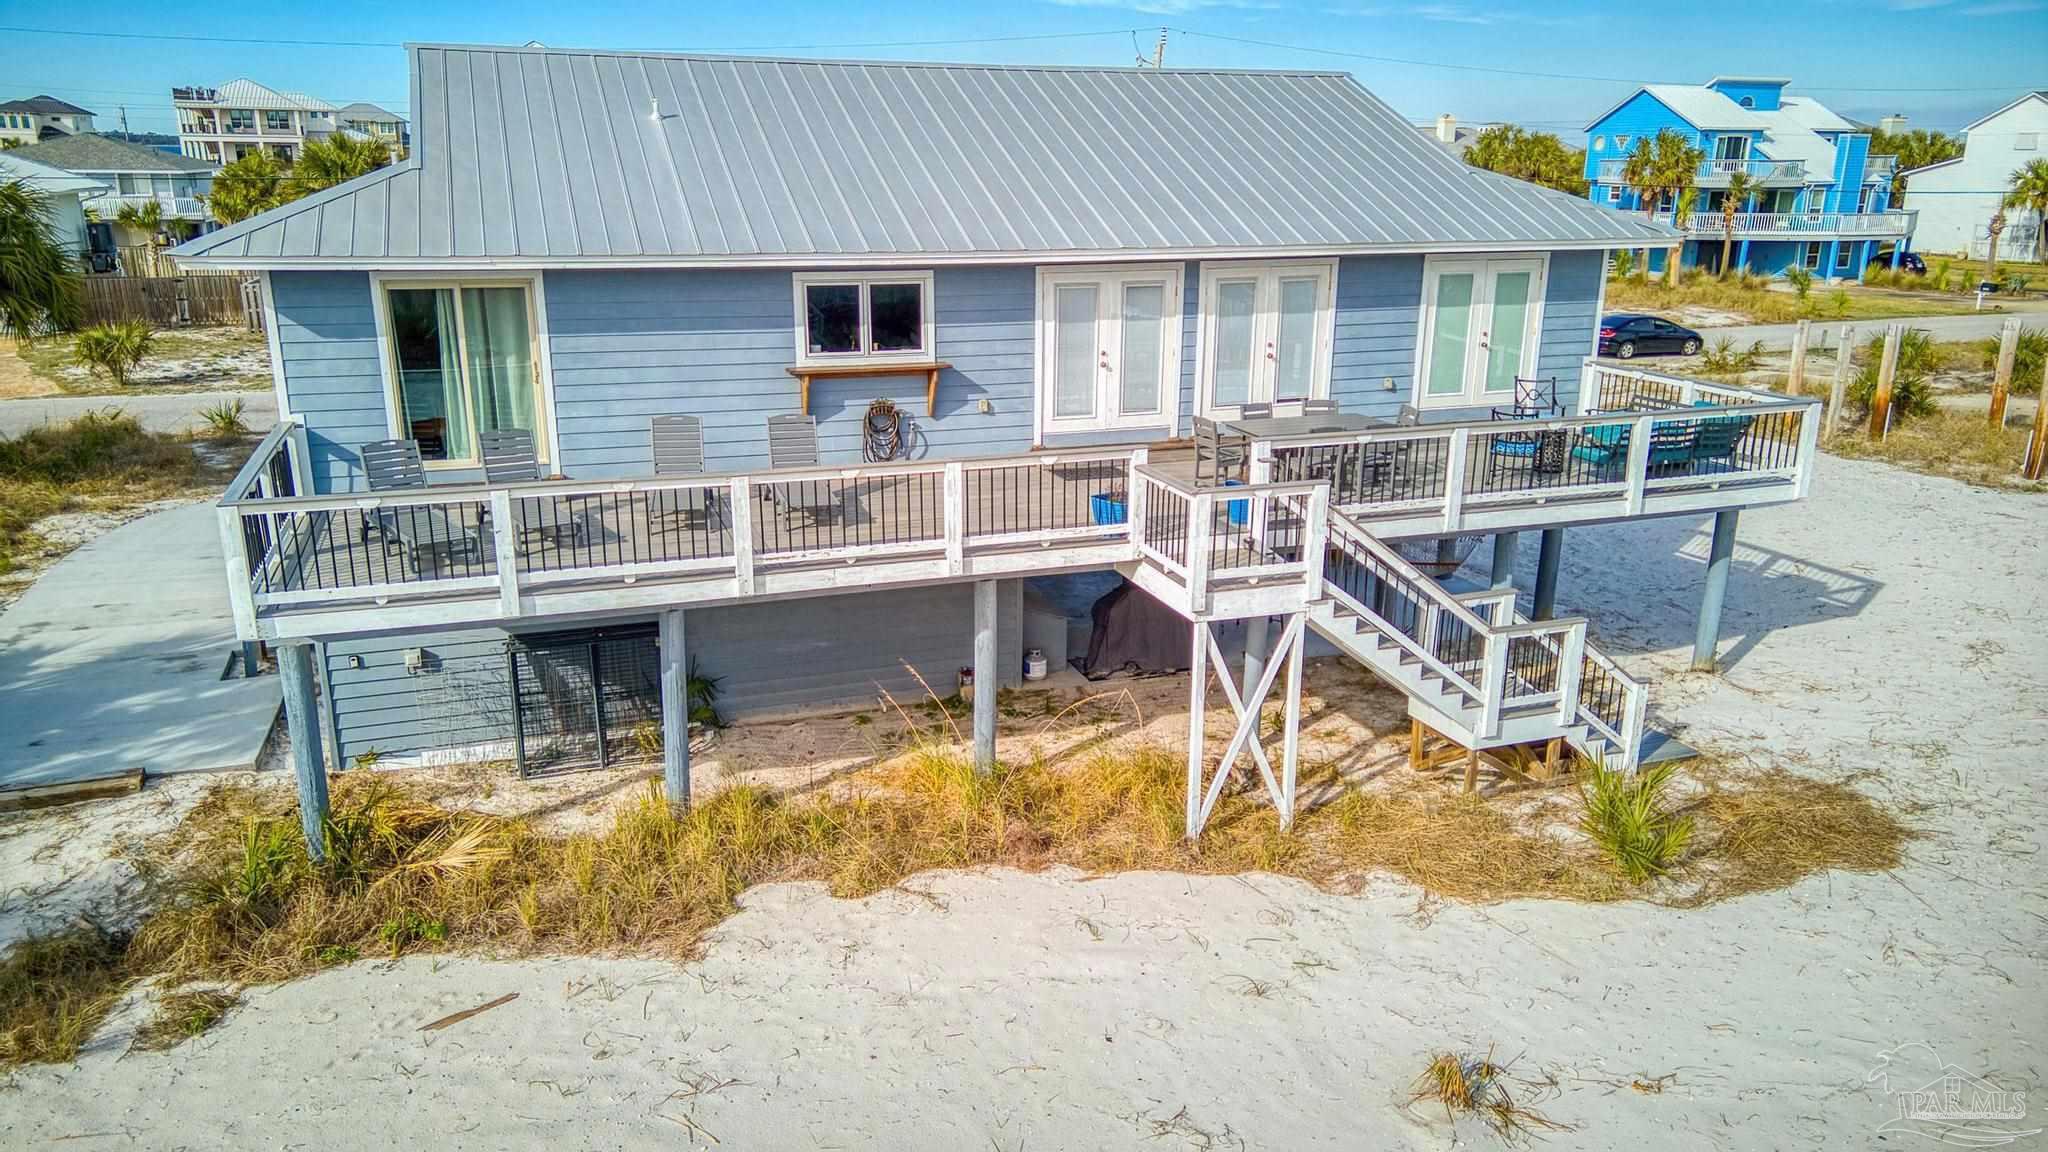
(2001, 379)
(1887, 367)
(1795, 380)
(2037, 445)
(1839, 388)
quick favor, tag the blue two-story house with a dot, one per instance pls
(818, 363)
(1820, 200)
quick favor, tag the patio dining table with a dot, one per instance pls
(1277, 427)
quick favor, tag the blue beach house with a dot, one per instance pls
(1821, 200)
(791, 375)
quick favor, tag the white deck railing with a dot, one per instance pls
(1804, 225)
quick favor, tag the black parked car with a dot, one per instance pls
(1908, 262)
(1625, 336)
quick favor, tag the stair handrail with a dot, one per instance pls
(1635, 694)
(1441, 600)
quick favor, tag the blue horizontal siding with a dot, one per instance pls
(768, 658)
(630, 345)
(333, 378)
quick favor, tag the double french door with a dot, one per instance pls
(1481, 324)
(1109, 348)
(1266, 331)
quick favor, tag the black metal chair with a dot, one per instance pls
(793, 443)
(1513, 451)
(678, 446)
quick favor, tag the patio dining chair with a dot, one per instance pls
(510, 457)
(1319, 408)
(1512, 451)
(1218, 457)
(793, 443)
(678, 446)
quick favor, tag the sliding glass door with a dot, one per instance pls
(1109, 348)
(1266, 331)
(1480, 329)
(463, 361)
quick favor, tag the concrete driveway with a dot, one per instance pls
(1825, 333)
(113, 661)
(159, 412)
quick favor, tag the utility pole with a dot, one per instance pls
(124, 122)
(1159, 52)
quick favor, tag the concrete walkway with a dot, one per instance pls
(1778, 337)
(160, 412)
(112, 661)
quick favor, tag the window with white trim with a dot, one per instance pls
(854, 318)
(1614, 193)
(462, 359)
(1599, 143)
(1480, 328)
(2026, 141)
(1812, 260)
(1621, 143)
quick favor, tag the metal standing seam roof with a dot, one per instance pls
(554, 157)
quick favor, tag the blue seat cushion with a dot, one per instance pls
(1608, 435)
(1501, 447)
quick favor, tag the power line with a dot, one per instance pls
(1531, 74)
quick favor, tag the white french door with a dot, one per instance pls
(1265, 335)
(1109, 348)
(1481, 326)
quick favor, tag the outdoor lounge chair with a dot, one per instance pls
(793, 443)
(1719, 436)
(509, 457)
(678, 446)
(1671, 444)
(427, 534)
(389, 466)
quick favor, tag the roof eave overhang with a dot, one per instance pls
(904, 260)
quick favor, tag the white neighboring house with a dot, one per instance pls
(374, 123)
(222, 125)
(41, 117)
(66, 191)
(1956, 198)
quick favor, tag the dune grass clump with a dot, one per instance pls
(102, 459)
(180, 1016)
(1774, 829)
(1470, 1085)
(54, 992)
(1960, 445)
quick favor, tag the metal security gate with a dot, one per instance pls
(585, 699)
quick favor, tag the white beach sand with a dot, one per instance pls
(1893, 628)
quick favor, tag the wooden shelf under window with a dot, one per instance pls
(805, 373)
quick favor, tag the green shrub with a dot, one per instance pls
(2028, 356)
(1724, 357)
(1624, 263)
(1919, 359)
(114, 349)
(224, 420)
(1627, 817)
(1801, 281)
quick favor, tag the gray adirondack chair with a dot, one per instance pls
(388, 466)
(793, 443)
(427, 534)
(678, 447)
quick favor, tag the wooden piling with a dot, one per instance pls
(2037, 445)
(1887, 367)
(1839, 389)
(2001, 379)
(1795, 380)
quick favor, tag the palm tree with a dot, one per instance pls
(1915, 149)
(255, 183)
(148, 219)
(1639, 172)
(2027, 191)
(39, 278)
(1538, 157)
(1991, 250)
(336, 160)
(1676, 162)
(1736, 199)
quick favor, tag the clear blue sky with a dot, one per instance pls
(1966, 57)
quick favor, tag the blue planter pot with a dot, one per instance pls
(1104, 508)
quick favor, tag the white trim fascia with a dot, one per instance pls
(451, 265)
(2034, 95)
(270, 337)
